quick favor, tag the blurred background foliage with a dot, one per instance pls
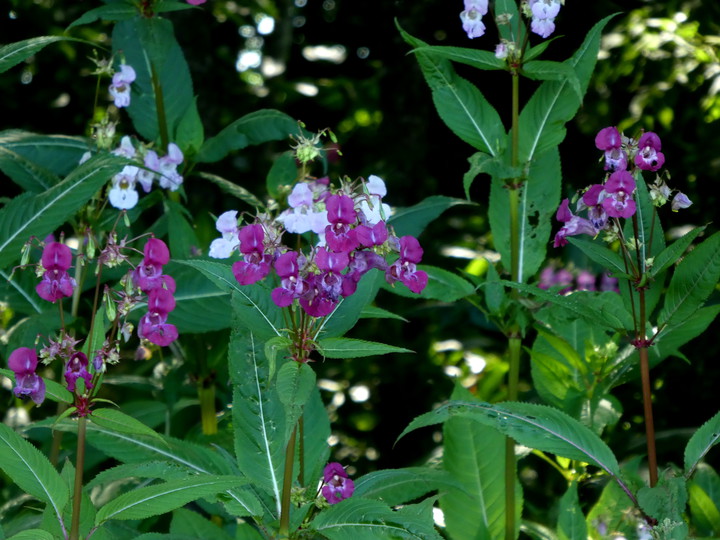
(342, 64)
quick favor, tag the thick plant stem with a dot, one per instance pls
(647, 393)
(287, 486)
(208, 415)
(77, 492)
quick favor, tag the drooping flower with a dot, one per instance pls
(226, 224)
(680, 201)
(169, 177)
(256, 263)
(148, 275)
(543, 16)
(153, 325)
(76, 368)
(609, 141)
(405, 268)
(471, 17)
(56, 282)
(573, 224)
(120, 86)
(337, 486)
(649, 157)
(28, 384)
(618, 201)
(122, 194)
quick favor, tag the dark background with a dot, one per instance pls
(659, 71)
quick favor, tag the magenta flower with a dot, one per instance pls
(76, 368)
(56, 282)
(56, 256)
(405, 268)
(336, 484)
(291, 285)
(573, 224)
(154, 326)
(369, 236)
(23, 363)
(649, 157)
(149, 273)
(609, 140)
(256, 263)
(618, 201)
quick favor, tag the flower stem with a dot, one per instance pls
(160, 107)
(79, 466)
(287, 486)
(208, 415)
(647, 394)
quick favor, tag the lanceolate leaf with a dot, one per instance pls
(539, 199)
(700, 443)
(412, 220)
(14, 53)
(459, 103)
(295, 382)
(472, 57)
(571, 522)
(673, 253)
(31, 471)
(605, 257)
(355, 348)
(39, 215)
(542, 120)
(255, 128)
(151, 501)
(535, 426)
(118, 421)
(693, 281)
(258, 416)
(25, 173)
(233, 189)
(398, 486)
(59, 154)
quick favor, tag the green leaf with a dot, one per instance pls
(340, 347)
(154, 500)
(543, 118)
(14, 53)
(666, 500)
(258, 416)
(571, 522)
(118, 421)
(182, 239)
(347, 313)
(693, 281)
(58, 154)
(674, 252)
(478, 164)
(32, 534)
(260, 314)
(539, 199)
(544, 70)
(461, 105)
(374, 312)
(412, 220)
(472, 57)
(700, 443)
(398, 486)
(25, 173)
(532, 425)
(599, 253)
(255, 128)
(516, 31)
(295, 382)
(40, 214)
(356, 518)
(147, 44)
(194, 525)
(233, 190)
(283, 172)
(190, 133)
(31, 471)
(704, 501)
(442, 285)
(111, 12)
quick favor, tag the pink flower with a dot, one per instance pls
(76, 368)
(649, 157)
(337, 486)
(196, 2)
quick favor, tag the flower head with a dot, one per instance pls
(76, 368)
(120, 87)
(336, 484)
(649, 157)
(471, 17)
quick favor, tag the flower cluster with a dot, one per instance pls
(23, 363)
(471, 17)
(353, 238)
(120, 86)
(160, 288)
(582, 280)
(56, 282)
(122, 193)
(543, 13)
(614, 197)
(336, 484)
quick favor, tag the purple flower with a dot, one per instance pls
(573, 225)
(336, 484)
(543, 16)
(586, 281)
(23, 362)
(169, 177)
(56, 282)
(154, 326)
(680, 201)
(148, 274)
(369, 236)
(471, 17)
(291, 285)
(76, 368)
(649, 157)
(120, 87)
(405, 269)
(618, 201)
(56, 256)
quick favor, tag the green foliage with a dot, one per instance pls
(700, 443)
(354, 348)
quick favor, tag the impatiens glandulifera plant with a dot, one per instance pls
(587, 341)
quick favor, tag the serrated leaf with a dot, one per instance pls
(543, 118)
(460, 104)
(40, 214)
(192, 524)
(571, 521)
(255, 128)
(258, 416)
(59, 154)
(118, 421)
(355, 348)
(535, 426)
(704, 501)
(151, 501)
(398, 486)
(295, 382)
(539, 198)
(14, 53)
(32, 534)
(693, 281)
(700, 443)
(31, 471)
(544, 70)
(26, 174)
(233, 189)
(374, 312)
(599, 253)
(112, 12)
(674, 252)
(472, 57)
